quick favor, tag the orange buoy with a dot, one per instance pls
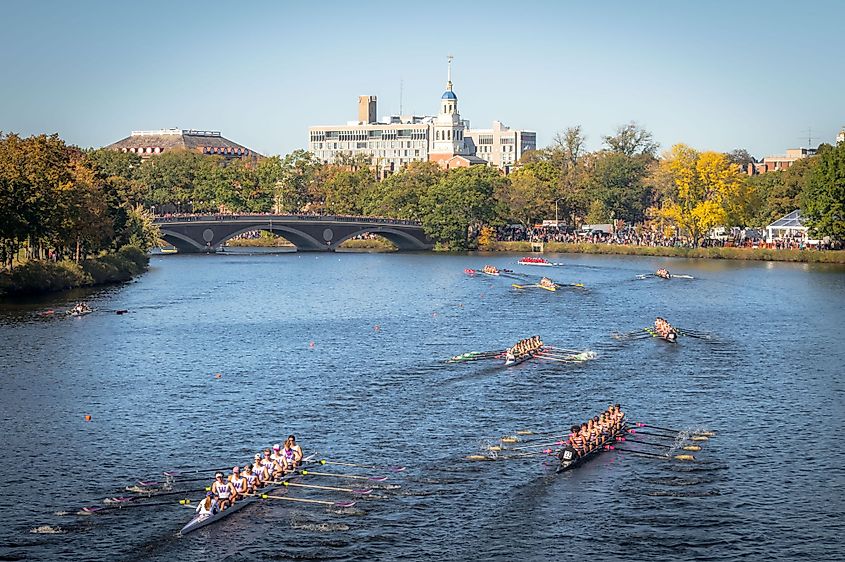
(87, 417)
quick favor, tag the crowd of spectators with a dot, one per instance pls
(190, 217)
(738, 238)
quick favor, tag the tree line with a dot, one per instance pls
(58, 202)
(67, 199)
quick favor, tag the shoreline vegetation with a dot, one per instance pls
(747, 254)
(45, 276)
(754, 254)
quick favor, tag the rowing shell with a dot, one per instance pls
(569, 459)
(671, 338)
(517, 360)
(202, 520)
(544, 264)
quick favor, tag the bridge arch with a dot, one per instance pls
(301, 240)
(402, 240)
(181, 242)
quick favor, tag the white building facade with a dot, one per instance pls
(398, 140)
(501, 146)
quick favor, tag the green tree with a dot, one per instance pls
(459, 204)
(618, 180)
(527, 198)
(293, 179)
(631, 140)
(399, 195)
(823, 200)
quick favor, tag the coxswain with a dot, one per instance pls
(208, 505)
(297, 450)
(239, 484)
(222, 490)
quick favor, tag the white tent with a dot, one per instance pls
(789, 226)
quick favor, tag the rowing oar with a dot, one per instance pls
(515, 286)
(144, 495)
(662, 445)
(391, 468)
(477, 457)
(90, 510)
(704, 433)
(352, 476)
(697, 335)
(676, 457)
(561, 349)
(361, 492)
(304, 500)
(675, 437)
(540, 446)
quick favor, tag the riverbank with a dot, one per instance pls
(39, 276)
(757, 254)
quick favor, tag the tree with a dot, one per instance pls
(527, 197)
(631, 140)
(293, 179)
(703, 183)
(569, 145)
(618, 181)
(598, 213)
(340, 190)
(460, 203)
(740, 157)
(399, 195)
(823, 200)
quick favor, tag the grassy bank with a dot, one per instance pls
(759, 254)
(267, 240)
(38, 276)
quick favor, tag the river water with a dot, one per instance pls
(222, 355)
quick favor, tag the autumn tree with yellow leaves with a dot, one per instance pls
(700, 190)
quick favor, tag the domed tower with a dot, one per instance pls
(448, 133)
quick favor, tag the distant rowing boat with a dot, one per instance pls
(538, 261)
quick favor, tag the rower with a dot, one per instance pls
(239, 484)
(576, 440)
(260, 471)
(207, 506)
(269, 464)
(288, 457)
(585, 436)
(252, 481)
(297, 450)
(223, 490)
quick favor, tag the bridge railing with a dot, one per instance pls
(184, 217)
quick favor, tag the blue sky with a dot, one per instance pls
(715, 75)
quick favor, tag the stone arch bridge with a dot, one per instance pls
(309, 233)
